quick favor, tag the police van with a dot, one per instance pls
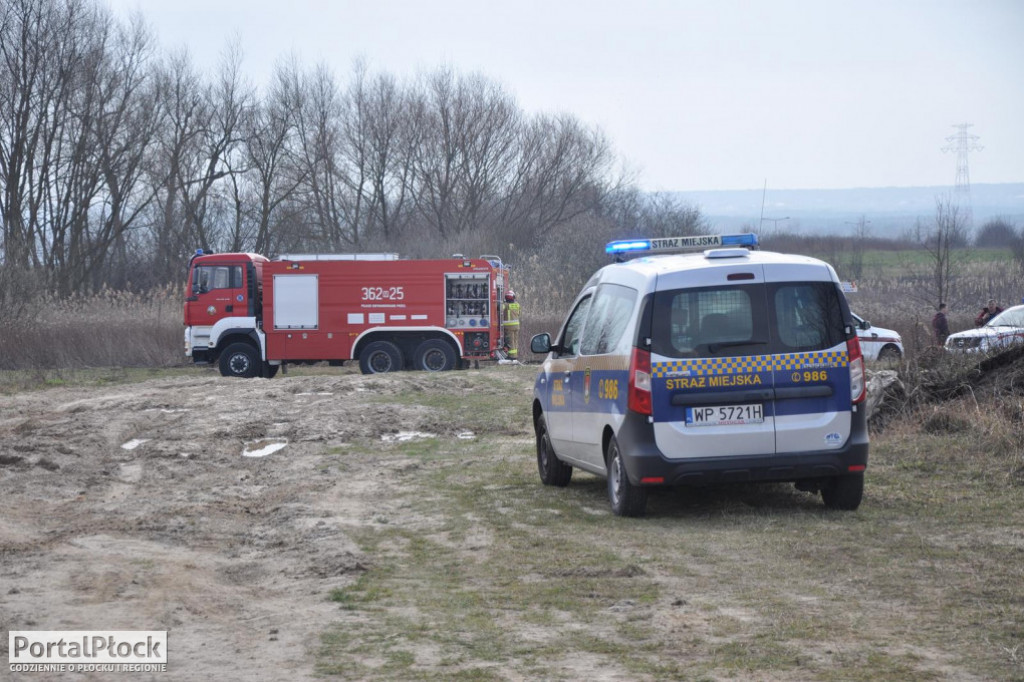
(727, 365)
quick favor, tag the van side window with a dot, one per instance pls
(570, 342)
(609, 315)
(808, 315)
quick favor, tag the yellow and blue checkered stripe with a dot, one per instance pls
(750, 364)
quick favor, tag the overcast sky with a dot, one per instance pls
(694, 95)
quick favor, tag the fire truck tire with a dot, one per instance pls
(239, 360)
(435, 355)
(379, 357)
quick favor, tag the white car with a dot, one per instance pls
(1005, 329)
(878, 343)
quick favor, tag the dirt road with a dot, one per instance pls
(172, 505)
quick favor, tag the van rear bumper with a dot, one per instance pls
(644, 460)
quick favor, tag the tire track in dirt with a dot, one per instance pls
(234, 556)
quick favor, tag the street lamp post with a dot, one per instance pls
(774, 221)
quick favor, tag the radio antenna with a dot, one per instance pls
(763, 193)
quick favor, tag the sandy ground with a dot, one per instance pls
(135, 507)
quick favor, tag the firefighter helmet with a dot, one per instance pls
(510, 295)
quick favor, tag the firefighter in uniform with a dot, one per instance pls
(510, 322)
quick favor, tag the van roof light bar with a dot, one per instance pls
(625, 247)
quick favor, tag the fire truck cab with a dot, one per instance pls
(252, 315)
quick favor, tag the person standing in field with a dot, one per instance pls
(510, 321)
(940, 325)
(987, 313)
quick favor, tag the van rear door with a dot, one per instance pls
(712, 382)
(811, 367)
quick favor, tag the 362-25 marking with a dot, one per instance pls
(383, 293)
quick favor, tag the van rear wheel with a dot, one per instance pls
(553, 471)
(844, 492)
(627, 499)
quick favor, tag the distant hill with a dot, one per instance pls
(829, 211)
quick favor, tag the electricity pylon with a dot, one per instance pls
(963, 143)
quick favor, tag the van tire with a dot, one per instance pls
(379, 357)
(843, 492)
(553, 471)
(626, 499)
(434, 355)
(239, 360)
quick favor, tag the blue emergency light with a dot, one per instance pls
(628, 245)
(748, 239)
(668, 244)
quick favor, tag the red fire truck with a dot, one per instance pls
(252, 315)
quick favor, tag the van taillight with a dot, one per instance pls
(858, 382)
(640, 382)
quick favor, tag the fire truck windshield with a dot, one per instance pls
(208, 277)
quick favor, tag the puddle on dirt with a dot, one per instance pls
(262, 448)
(466, 435)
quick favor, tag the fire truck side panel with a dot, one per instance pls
(323, 310)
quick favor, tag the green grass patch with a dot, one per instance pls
(487, 574)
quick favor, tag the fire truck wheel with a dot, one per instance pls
(434, 355)
(239, 360)
(379, 357)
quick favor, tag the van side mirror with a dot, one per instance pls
(541, 344)
(865, 325)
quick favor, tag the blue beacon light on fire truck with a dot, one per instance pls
(667, 244)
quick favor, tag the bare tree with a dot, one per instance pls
(393, 135)
(562, 172)
(319, 127)
(858, 244)
(948, 234)
(269, 142)
(115, 163)
(996, 233)
(76, 121)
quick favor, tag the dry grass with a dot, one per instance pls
(109, 329)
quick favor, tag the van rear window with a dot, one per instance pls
(753, 319)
